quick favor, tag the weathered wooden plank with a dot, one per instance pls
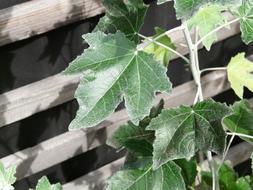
(70, 144)
(28, 100)
(39, 16)
(96, 179)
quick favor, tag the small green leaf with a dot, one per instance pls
(188, 170)
(126, 16)
(180, 132)
(167, 177)
(119, 71)
(44, 184)
(161, 54)
(206, 20)
(228, 179)
(245, 13)
(7, 178)
(241, 120)
(136, 139)
(240, 74)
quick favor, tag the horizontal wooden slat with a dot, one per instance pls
(39, 16)
(65, 146)
(96, 180)
(28, 100)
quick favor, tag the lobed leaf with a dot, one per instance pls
(167, 177)
(180, 132)
(118, 70)
(7, 178)
(126, 16)
(44, 184)
(239, 72)
(161, 54)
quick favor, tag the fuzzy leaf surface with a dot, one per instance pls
(186, 8)
(240, 74)
(7, 178)
(127, 17)
(167, 177)
(206, 20)
(161, 54)
(44, 184)
(118, 71)
(241, 120)
(182, 131)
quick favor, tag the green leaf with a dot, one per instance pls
(136, 139)
(206, 20)
(44, 184)
(240, 74)
(126, 16)
(119, 71)
(7, 178)
(186, 8)
(245, 13)
(241, 120)
(188, 170)
(161, 54)
(167, 177)
(180, 132)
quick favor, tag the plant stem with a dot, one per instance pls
(240, 135)
(216, 30)
(226, 151)
(194, 63)
(164, 46)
(213, 69)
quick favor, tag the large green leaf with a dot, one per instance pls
(240, 74)
(161, 54)
(7, 178)
(167, 177)
(126, 16)
(44, 184)
(136, 139)
(186, 8)
(180, 132)
(245, 13)
(206, 20)
(241, 120)
(118, 70)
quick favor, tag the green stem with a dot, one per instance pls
(240, 135)
(194, 63)
(213, 69)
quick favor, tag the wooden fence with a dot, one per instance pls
(55, 90)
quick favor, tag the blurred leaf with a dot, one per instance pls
(44, 184)
(240, 74)
(161, 54)
(7, 178)
(241, 120)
